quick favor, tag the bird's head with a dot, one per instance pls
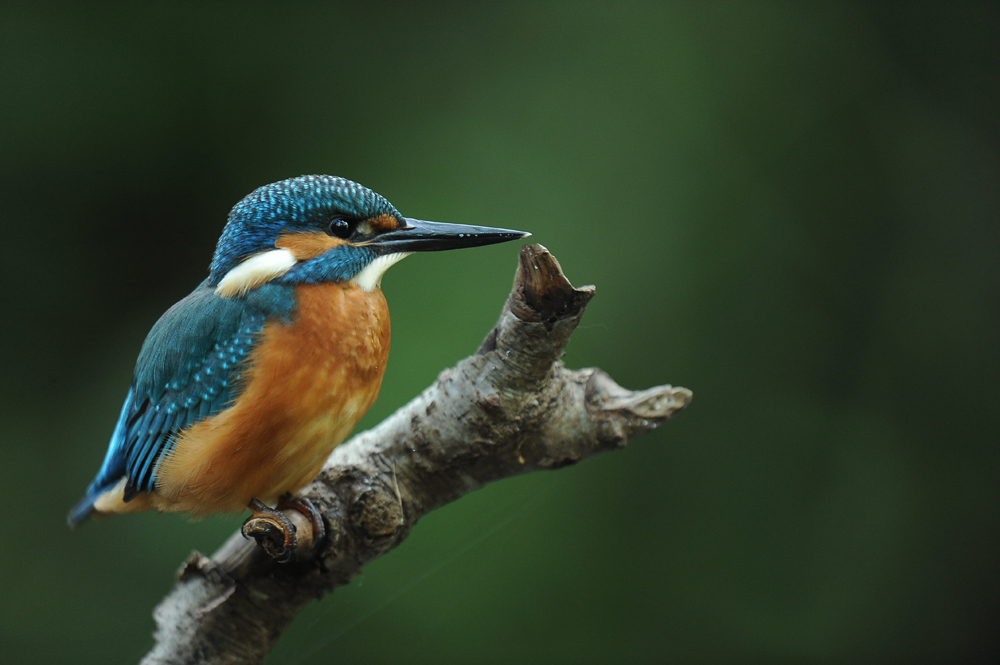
(320, 228)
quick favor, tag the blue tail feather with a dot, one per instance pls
(85, 506)
(81, 510)
(111, 471)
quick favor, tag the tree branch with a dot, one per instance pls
(510, 409)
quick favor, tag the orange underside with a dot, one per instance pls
(307, 385)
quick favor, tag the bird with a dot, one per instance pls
(243, 388)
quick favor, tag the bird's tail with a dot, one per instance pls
(112, 470)
(82, 510)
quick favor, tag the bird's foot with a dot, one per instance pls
(276, 532)
(273, 531)
(306, 507)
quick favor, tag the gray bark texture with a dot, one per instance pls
(509, 409)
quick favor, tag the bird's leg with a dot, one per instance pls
(306, 507)
(273, 531)
(276, 532)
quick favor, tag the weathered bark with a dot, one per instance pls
(509, 409)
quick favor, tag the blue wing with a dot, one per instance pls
(189, 369)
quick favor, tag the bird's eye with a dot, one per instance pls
(340, 228)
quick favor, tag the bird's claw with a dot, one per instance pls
(276, 533)
(273, 531)
(306, 507)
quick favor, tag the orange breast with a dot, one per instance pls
(307, 385)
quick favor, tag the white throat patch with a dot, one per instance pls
(256, 270)
(371, 276)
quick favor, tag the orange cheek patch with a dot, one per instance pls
(383, 223)
(305, 246)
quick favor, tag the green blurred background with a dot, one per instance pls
(792, 209)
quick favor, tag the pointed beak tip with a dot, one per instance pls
(422, 236)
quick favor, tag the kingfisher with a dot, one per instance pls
(243, 388)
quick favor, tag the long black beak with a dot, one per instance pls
(421, 236)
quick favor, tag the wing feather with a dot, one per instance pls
(189, 370)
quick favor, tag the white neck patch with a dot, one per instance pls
(371, 276)
(256, 270)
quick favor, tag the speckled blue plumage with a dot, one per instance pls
(306, 203)
(189, 369)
